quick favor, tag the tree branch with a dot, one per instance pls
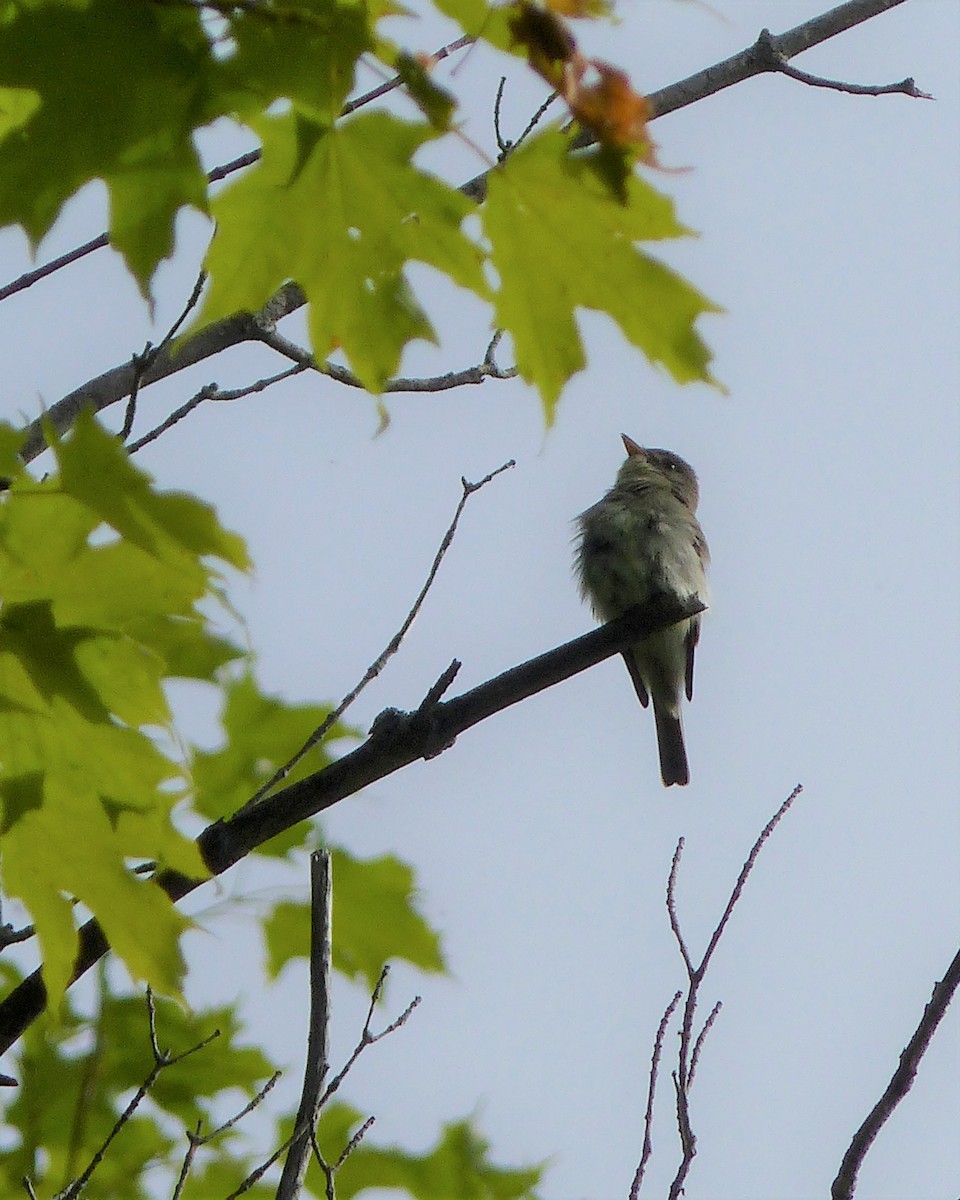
(766, 54)
(900, 1083)
(396, 739)
(318, 1041)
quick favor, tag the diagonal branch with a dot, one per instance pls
(396, 740)
(900, 1083)
(765, 55)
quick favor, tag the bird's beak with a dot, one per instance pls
(631, 446)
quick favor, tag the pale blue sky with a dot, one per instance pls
(830, 233)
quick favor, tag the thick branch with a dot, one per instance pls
(318, 1045)
(760, 57)
(396, 740)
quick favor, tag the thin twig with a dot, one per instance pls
(487, 369)
(766, 45)
(354, 1142)
(651, 1095)
(502, 145)
(211, 391)
(142, 362)
(330, 1171)
(672, 907)
(196, 1140)
(161, 1060)
(305, 1128)
(744, 874)
(366, 1037)
(386, 654)
(535, 119)
(392, 84)
(701, 1037)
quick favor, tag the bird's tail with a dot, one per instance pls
(673, 754)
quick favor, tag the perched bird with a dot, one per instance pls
(640, 541)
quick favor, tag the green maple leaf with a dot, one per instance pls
(105, 89)
(341, 211)
(375, 920)
(458, 1165)
(261, 733)
(89, 634)
(302, 50)
(560, 240)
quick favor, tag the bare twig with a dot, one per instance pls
(142, 362)
(161, 1060)
(211, 391)
(688, 1057)
(354, 1142)
(367, 1038)
(387, 653)
(391, 85)
(690, 1049)
(502, 145)
(900, 1083)
(701, 1037)
(651, 1094)
(305, 1128)
(766, 44)
(329, 1171)
(318, 1040)
(196, 1139)
(744, 875)
(535, 120)
(672, 907)
(487, 369)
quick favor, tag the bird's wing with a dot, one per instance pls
(638, 683)
(693, 636)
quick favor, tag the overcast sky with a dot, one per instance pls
(830, 234)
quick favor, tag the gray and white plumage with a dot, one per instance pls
(640, 541)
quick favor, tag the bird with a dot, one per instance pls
(640, 542)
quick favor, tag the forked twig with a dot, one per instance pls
(161, 1060)
(367, 1038)
(775, 60)
(211, 391)
(688, 1056)
(196, 1139)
